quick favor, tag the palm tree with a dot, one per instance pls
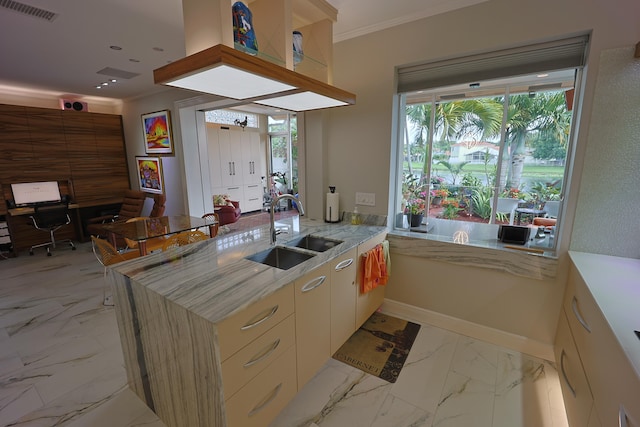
(481, 118)
(542, 115)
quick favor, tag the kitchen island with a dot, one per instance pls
(188, 316)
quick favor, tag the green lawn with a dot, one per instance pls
(546, 173)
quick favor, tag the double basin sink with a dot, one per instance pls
(288, 256)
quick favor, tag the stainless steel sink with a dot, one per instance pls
(314, 243)
(280, 257)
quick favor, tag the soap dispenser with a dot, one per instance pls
(355, 218)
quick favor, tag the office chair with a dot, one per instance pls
(51, 218)
(131, 207)
(108, 255)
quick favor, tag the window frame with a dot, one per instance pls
(397, 162)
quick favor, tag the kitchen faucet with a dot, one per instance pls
(272, 232)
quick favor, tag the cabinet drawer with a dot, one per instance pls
(253, 358)
(613, 381)
(575, 387)
(245, 326)
(262, 398)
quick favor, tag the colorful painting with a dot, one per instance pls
(157, 132)
(150, 174)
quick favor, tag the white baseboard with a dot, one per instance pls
(470, 329)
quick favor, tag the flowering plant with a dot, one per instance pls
(415, 206)
(440, 193)
(513, 193)
(437, 180)
(451, 208)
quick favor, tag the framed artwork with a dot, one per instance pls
(158, 138)
(150, 174)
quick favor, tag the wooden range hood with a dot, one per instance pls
(227, 72)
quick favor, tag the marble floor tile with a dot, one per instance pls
(61, 364)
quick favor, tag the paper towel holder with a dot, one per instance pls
(329, 214)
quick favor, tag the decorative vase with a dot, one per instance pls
(436, 201)
(298, 54)
(416, 219)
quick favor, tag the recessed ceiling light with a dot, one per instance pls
(115, 47)
(158, 49)
(105, 84)
(113, 80)
(133, 60)
(542, 75)
(98, 87)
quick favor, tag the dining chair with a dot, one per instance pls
(153, 244)
(108, 255)
(214, 219)
(184, 238)
(507, 206)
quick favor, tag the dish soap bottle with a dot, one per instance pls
(355, 218)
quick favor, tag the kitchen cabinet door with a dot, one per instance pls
(313, 323)
(578, 400)
(230, 157)
(343, 298)
(213, 153)
(251, 165)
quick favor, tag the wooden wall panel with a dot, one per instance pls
(41, 144)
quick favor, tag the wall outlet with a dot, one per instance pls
(366, 199)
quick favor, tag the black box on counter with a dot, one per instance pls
(514, 234)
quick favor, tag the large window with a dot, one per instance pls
(484, 153)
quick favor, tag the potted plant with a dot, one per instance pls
(438, 195)
(415, 209)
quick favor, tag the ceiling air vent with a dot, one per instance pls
(114, 72)
(25, 9)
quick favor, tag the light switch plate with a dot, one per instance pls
(366, 199)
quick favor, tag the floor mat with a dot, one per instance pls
(380, 347)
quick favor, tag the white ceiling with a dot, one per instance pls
(63, 57)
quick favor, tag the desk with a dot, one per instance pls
(534, 213)
(141, 231)
(24, 235)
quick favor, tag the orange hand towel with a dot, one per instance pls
(375, 269)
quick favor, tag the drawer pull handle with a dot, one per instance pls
(266, 401)
(264, 355)
(314, 283)
(263, 319)
(344, 264)
(622, 417)
(574, 307)
(564, 374)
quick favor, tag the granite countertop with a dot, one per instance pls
(614, 283)
(214, 280)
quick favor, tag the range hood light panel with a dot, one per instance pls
(302, 101)
(230, 82)
(223, 71)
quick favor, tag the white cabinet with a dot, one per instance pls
(595, 328)
(313, 326)
(343, 298)
(258, 353)
(251, 164)
(230, 152)
(578, 401)
(235, 165)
